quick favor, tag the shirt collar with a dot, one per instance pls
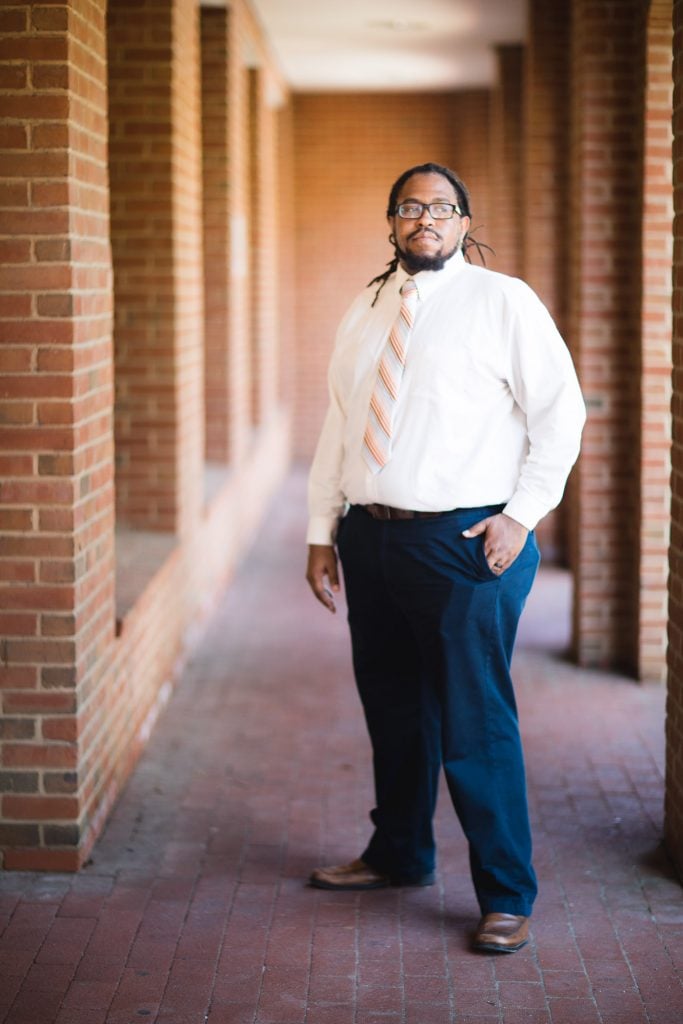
(428, 281)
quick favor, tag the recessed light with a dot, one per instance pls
(398, 25)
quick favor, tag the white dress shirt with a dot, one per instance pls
(489, 410)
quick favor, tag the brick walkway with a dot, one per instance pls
(194, 908)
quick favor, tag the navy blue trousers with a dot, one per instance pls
(432, 633)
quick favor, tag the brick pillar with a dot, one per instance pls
(674, 718)
(656, 326)
(239, 312)
(545, 254)
(263, 233)
(216, 209)
(286, 217)
(607, 88)
(155, 165)
(506, 144)
(56, 564)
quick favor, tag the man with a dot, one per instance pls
(455, 417)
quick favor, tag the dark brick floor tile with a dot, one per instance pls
(91, 995)
(283, 996)
(614, 1001)
(372, 1017)
(332, 988)
(558, 957)
(428, 988)
(153, 953)
(527, 994)
(9, 987)
(46, 977)
(318, 1013)
(66, 941)
(36, 1006)
(230, 1013)
(371, 972)
(189, 987)
(94, 968)
(73, 1015)
(467, 1019)
(328, 961)
(518, 1015)
(429, 1013)
(138, 991)
(236, 985)
(566, 983)
(520, 967)
(627, 1017)
(28, 928)
(379, 999)
(201, 937)
(606, 974)
(476, 1001)
(573, 1011)
(114, 934)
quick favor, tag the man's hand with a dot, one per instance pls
(322, 574)
(504, 538)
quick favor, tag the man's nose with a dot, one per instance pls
(425, 217)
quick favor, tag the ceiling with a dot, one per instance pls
(389, 45)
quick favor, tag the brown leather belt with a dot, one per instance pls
(387, 512)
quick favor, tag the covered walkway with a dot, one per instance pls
(193, 908)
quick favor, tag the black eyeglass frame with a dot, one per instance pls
(427, 206)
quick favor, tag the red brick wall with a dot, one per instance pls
(264, 281)
(674, 720)
(545, 176)
(216, 228)
(349, 149)
(608, 83)
(545, 189)
(656, 358)
(78, 702)
(56, 569)
(506, 149)
(154, 75)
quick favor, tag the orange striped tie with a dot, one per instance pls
(377, 437)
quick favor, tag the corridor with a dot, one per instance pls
(193, 907)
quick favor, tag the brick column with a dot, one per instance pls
(656, 357)
(674, 719)
(545, 211)
(505, 157)
(263, 233)
(155, 164)
(56, 495)
(607, 88)
(216, 210)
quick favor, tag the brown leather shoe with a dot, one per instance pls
(359, 875)
(502, 933)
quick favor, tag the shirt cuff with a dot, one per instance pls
(525, 509)
(321, 530)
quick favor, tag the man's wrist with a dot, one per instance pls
(321, 530)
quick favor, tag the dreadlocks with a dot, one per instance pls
(463, 202)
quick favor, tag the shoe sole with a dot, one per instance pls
(492, 947)
(364, 886)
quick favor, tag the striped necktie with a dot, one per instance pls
(377, 437)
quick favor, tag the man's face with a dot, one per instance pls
(426, 244)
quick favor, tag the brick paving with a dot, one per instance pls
(194, 907)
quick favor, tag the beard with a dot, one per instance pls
(413, 264)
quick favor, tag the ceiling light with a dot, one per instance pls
(398, 25)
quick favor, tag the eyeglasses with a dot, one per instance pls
(439, 211)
